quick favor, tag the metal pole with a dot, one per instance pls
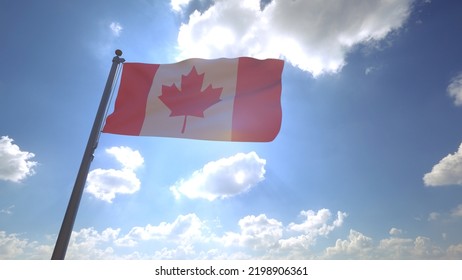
(65, 232)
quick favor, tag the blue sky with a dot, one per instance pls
(367, 165)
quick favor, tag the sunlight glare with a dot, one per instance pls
(239, 177)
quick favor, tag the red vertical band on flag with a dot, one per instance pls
(257, 112)
(130, 106)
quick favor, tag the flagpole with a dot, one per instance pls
(65, 232)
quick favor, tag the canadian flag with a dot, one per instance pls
(219, 99)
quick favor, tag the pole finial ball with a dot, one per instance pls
(118, 52)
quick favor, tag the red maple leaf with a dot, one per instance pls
(190, 100)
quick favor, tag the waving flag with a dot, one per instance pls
(220, 99)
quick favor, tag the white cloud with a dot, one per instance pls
(178, 240)
(448, 216)
(457, 212)
(359, 246)
(189, 237)
(256, 232)
(455, 252)
(116, 28)
(7, 211)
(455, 89)
(395, 231)
(184, 229)
(178, 253)
(15, 165)
(223, 178)
(178, 5)
(105, 40)
(316, 224)
(433, 216)
(401, 248)
(257, 237)
(315, 36)
(263, 237)
(88, 243)
(11, 245)
(356, 246)
(370, 70)
(130, 159)
(447, 172)
(105, 184)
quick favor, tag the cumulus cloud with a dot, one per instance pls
(264, 237)
(15, 165)
(455, 89)
(184, 229)
(130, 159)
(408, 248)
(356, 246)
(447, 172)
(11, 245)
(223, 178)
(256, 232)
(395, 231)
(315, 36)
(105, 184)
(14, 246)
(257, 237)
(88, 243)
(187, 236)
(318, 220)
(304, 235)
(455, 252)
(359, 246)
(116, 28)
